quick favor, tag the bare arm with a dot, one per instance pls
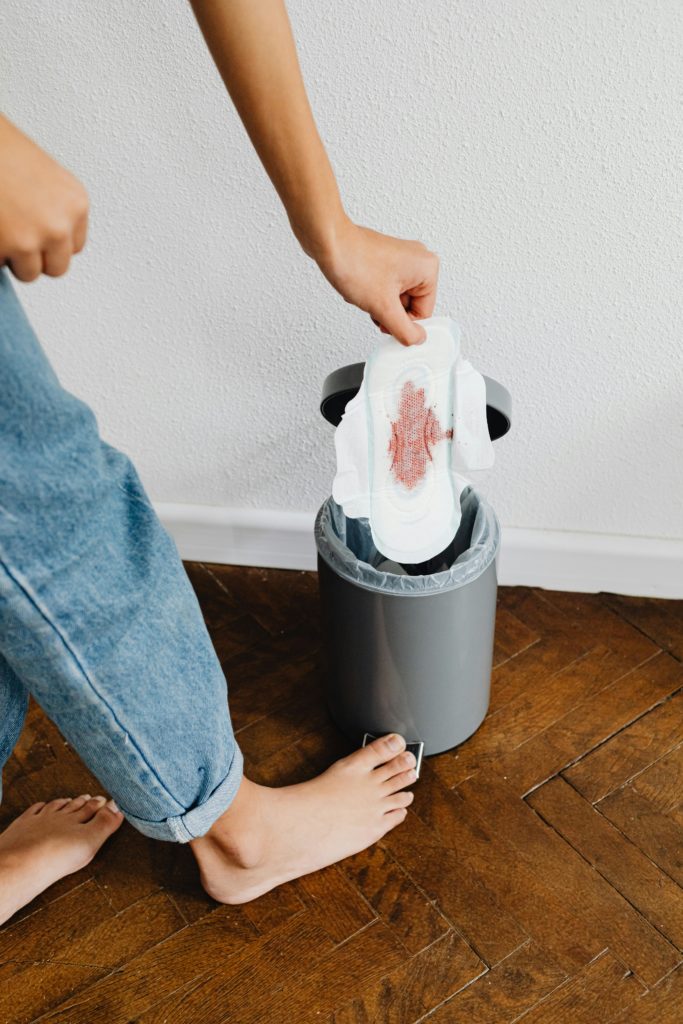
(252, 44)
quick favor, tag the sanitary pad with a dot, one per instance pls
(416, 425)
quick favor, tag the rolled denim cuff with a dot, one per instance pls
(198, 820)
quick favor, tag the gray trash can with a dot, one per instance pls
(408, 648)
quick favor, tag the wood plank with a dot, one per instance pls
(441, 871)
(624, 866)
(589, 614)
(454, 844)
(157, 973)
(40, 742)
(533, 712)
(629, 752)
(278, 599)
(531, 669)
(47, 933)
(662, 782)
(569, 625)
(605, 918)
(175, 864)
(511, 636)
(659, 619)
(127, 934)
(591, 723)
(217, 604)
(277, 730)
(264, 679)
(335, 903)
(240, 636)
(274, 908)
(30, 989)
(285, 767)
(506, 992)
(73, 942)
(112, 868)
(600, 989)
(582, 620)
(412, 990)
(658, 836)
(661, 1005)
(233, 991)
(354, 966)
(531, 607)
(395, 898)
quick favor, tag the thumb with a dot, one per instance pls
(396, 322)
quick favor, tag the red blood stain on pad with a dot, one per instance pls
(414, 434)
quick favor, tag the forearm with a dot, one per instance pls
(252, 44)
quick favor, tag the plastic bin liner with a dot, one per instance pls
(347, 547)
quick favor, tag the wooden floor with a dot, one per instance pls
(537, 876)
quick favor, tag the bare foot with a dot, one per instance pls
(49, 841)
(269, 836)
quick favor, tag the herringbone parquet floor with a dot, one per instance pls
(537, 876)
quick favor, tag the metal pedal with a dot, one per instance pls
(416, 748)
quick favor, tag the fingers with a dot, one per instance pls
(396, 322)
(26, 266)
(49, 249)
(419, 300)
(415, 302)
(57, 256)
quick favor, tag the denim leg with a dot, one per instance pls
(13, 706)
(97, 617)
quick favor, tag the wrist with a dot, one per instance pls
(320, 236)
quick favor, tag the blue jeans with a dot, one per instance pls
(97, 617)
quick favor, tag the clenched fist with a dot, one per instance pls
(43, 209)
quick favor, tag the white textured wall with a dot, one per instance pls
(536, 147)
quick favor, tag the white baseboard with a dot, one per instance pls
(271, 538)
(592, 562)
(553, 559)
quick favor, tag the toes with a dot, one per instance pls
(56, 805)
(394, 818)
(78, 802)
(106, 820)
(401, 799)
(90, 808)
(35, 808)
(379, 751)
(397, 765)
(400, 781)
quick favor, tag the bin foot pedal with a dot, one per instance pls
(416, 748)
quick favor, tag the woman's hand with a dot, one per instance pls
(43, 209)
(391, 279)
